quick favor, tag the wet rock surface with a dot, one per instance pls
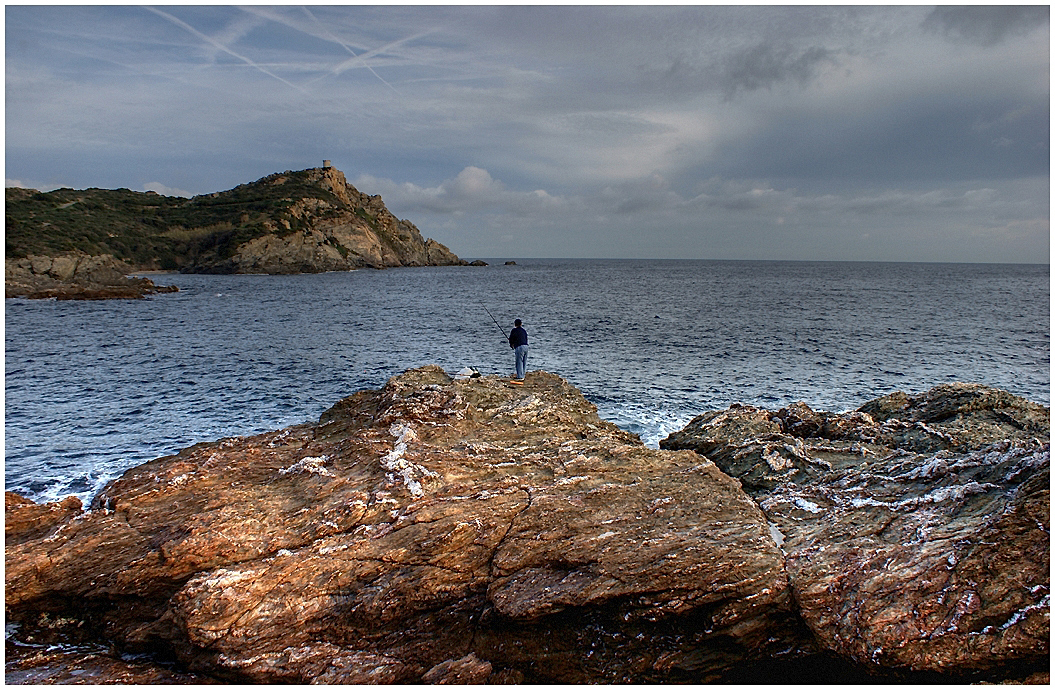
(88, 664)
(915, 529)
(76, 276)
(433, 531)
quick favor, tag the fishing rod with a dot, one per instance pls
(496, 323)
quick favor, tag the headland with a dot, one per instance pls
(306, 221)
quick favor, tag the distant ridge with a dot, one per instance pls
(305, 221)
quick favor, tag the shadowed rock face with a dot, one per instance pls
(915, 530)
(434, 531)
(88, 664)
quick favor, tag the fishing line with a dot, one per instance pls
(504, 335)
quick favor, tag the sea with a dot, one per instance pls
(94, 388)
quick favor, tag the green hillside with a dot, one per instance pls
(149, 230)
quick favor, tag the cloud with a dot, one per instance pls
(571, 130)
(473, 189)
(236, 30)
(645, 195)
(758, 200)
(764, 65)
(38, 186)
(473, 184)
(165, 190)
(986, 25)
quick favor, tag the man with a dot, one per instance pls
(518, 341)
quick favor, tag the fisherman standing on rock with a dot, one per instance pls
(518, 341)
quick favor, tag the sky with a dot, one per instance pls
(888, 133)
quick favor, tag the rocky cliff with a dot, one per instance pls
(472, 531)
(305, 221)
(323, 224)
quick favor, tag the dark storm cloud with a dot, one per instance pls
(764, 65)
(944, 137)
(986, 25)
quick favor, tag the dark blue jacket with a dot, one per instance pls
(517, 336)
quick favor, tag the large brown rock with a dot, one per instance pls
(432, 531)
(915, 529)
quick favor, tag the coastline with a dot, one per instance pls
(706, 351)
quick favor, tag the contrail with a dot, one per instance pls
(182, 24)
(351, 62)
(323, 33)
(344, 45)
(137, 69)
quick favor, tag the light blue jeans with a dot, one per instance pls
(520, 352)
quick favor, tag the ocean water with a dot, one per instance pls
(93, 388)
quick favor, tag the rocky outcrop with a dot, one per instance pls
(337, 229)
(28, 520)
(915, 530)
(471, 531)
(432, 531)
(75, 275)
